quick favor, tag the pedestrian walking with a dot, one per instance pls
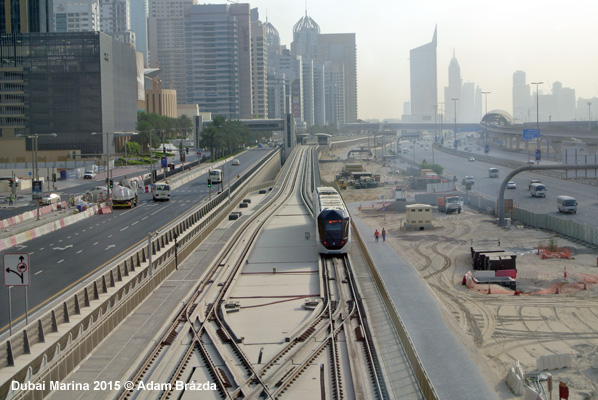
(383, 235)
(376, 234)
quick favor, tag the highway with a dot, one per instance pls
(61, 259)
(586, 195)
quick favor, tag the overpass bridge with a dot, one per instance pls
(500, 127)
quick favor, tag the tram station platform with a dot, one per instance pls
(445, 358)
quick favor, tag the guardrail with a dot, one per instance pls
(428, 390)
(73, 328)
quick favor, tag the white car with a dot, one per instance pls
(98, 190)
(471, 159)
(50, 198)
(511, 185)
(89, 175)
(235, 162)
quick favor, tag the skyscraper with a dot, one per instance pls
(521, 97)
(423, 79)
(340, 49)
(18, 16)
(166, 44)
(454, 90)
(218, 59)
(87, 16)
(139, 26)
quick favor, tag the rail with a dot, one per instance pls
(78, 323)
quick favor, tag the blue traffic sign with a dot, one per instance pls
(529, 134)
(538, 154)
(164, 161)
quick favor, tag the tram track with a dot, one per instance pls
(200, 337)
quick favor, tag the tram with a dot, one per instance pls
(332, 222)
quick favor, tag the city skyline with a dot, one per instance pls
(550, 43)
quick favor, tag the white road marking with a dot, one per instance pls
(62, 248)
(80, 251)
(38, 272)
(125, 228)
(96, 243)
(144, 218)
(135, 223)
(112, 245)
(60, 261)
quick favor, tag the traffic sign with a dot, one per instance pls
(164, 161)
(538, 154)
(529, 134)
(16, 269)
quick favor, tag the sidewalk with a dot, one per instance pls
(452, 372)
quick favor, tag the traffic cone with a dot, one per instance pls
(464, 281)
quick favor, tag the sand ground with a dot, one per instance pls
(499, 327)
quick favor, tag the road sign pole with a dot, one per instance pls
(9, 313)
(26, 305)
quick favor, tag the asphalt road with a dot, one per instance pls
(64, 258)
(586, 195)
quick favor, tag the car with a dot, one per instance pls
(98, 190)
(236, 162)
(89, 175)
(468, 180)
(531, 182)
(471, 159)
(511, 185)
(50, 198)
(405, 151)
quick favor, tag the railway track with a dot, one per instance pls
(200, 345)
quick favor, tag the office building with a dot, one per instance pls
(521, 98)
(115, 20)
(76, 16)
(139, 26)
(341, 51)
(218, 59)
(166, 43)
(259, 61)
(18, 16)
(423, 81)
(70, 84)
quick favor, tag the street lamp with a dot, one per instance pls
(485, 117)
(455, 102)
(589, 115)
(441, 120)
(537, 119)
(106, 154)
(435, 131)
(34, 165)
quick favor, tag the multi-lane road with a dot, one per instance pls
(62, 259)
(586, 195)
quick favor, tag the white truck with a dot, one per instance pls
(123, 197)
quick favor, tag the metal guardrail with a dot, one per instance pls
(428, 390)
(73, 328)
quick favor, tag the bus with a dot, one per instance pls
(215, 176)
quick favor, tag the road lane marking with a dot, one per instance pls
(125, 228)
(60, 261)
(80, 251)
(109, 247)
(96, 243)
(38, 272)
(134, 223)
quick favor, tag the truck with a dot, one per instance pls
(123, 197)
(448, 204)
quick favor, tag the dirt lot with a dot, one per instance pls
(499, 327)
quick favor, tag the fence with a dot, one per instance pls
(75, 326)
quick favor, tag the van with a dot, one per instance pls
(493, 172)
(567, 204)
(161, 191)
(537, 190)
(215, 176)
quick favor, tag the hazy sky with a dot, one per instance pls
(549, 40)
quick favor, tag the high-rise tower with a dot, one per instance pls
(423, 77)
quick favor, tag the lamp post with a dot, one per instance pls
(455, 102)
(435, 131)
(589, 115)
(441, 119)
(486, 124)
(106, 155)
(34, 165)
(537, 118)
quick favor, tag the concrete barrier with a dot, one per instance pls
(554, 361)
